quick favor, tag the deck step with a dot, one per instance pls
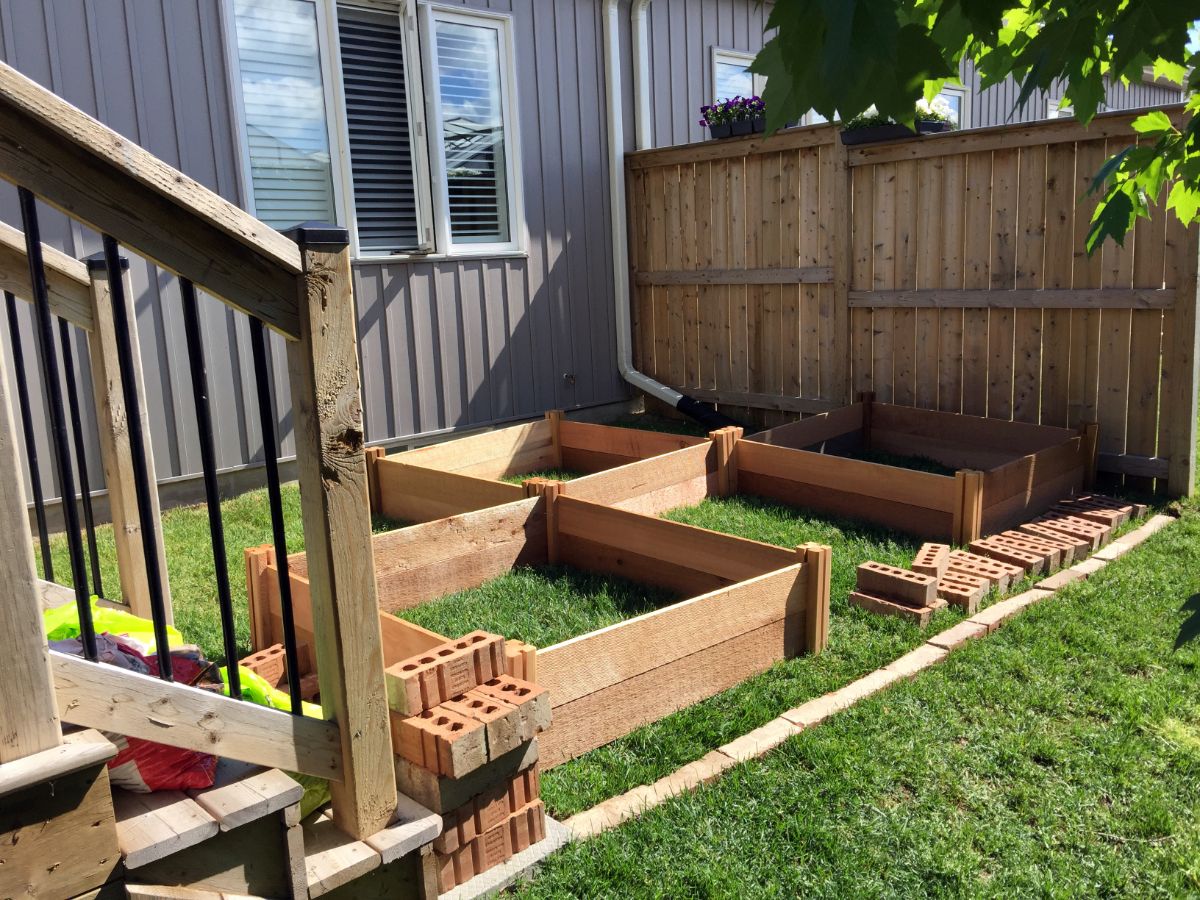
(242, 793)
(333, 859)
(153, 826)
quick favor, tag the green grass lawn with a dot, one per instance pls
(539, 606)
(552, 474)
(1059, 757)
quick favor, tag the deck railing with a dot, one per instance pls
(299, 287)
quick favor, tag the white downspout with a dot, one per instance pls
(616, 181)
(641, 74)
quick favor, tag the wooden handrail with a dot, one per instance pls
(75, 163)
(66, 278)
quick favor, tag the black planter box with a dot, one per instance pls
(742, 127)
(718, 131)
(891, 132)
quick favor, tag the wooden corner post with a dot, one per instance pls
(554, 418)
(327, 406)
(549, 490)
(29, 714)
(1181, 364)
(968, 512)
(113, 428)
(818, 567)
(373, 456)
(725, 444)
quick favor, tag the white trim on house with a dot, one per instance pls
(427, 151)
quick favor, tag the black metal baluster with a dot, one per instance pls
(58, 421)
(137, 452)
(85, 487)
(35, 471)
(266, 415)
(208, 461)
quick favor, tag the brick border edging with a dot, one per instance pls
(754, 744)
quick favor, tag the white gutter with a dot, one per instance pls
(641, 74)
(616, 182)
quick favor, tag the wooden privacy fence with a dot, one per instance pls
(947, 272)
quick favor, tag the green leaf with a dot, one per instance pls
(1113, 218)
(1109, 167)
(1185, 200)
(1154, 122)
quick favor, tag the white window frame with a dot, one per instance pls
(1053, 111)
(734, 58)
(514, 193)
(433, 217)
(965, 102)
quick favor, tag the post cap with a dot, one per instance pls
(97, 263)
(319, 236)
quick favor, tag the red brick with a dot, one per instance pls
(503, 723)
(1069, 549)
(932, 559)
(963, 591)
(532, 700)
(1094, 532)
(441, 741)
(1030, 562)
(269, 665)
(1098, 508)
(1080, 547)
(1049, 552)
(897, 585)
(444, 672)
(999, 574)
(886, 607)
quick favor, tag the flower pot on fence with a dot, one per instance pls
(718, 130)
(892, 131)
(742, 127)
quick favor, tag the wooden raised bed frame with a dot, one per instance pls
(746, 605)
(1007, 472)
(462, 475)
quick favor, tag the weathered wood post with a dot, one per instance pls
(1181, 362)
(29, 714)
(327, 409)
(113, 428)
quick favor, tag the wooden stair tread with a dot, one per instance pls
(78, 751)
(332, 858)
(242, 793)
(153, 826)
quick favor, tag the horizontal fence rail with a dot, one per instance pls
(790, 272)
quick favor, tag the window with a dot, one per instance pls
(731, 75)
(468, 77)
(334, 100)
(960, 106)
(1058, 108)
(378, 131)
(283, 105)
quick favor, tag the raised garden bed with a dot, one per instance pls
(481, 471)
(745, 605)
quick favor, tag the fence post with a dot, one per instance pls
(1182, 364)
(113, 428)
(843, 247)
(29, 714)
(327, 410)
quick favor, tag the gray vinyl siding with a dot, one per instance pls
(444, 344)
(683, 34)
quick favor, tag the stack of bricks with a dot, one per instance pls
(956, 585)
(465, 734)
(897, 592)
(271, 666)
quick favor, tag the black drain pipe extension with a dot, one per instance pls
(704, 413)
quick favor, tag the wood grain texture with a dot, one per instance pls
(100, 696)
(323, 368)
(29, 716)
(66, 278)
(84, 168)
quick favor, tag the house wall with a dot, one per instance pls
(683, 34)
(444, 345)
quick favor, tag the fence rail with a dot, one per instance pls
(948, 272)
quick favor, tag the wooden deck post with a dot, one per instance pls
(29, 714)
(113, 429)
(1181, 364)
(818, 562)
(327, 408)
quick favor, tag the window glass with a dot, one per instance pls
(733, 79)
(284, 110)
(955, 101)
(381, 155)
(468, 67)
